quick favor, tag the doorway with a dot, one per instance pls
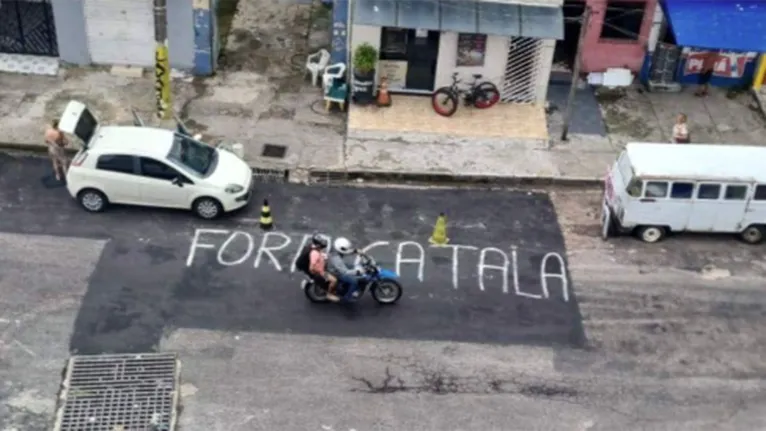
(411, 55)
(26, 27)
(566, 50)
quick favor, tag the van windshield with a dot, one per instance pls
(199, 158)
(626, 171)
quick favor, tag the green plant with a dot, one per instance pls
(365, 58)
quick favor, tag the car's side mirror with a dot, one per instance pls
(177, 181)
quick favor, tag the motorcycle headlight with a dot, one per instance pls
(234, 188)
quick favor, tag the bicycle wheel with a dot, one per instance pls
(485, 95)
(444, 102)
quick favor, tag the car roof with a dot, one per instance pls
(698, 161)
(138, 141)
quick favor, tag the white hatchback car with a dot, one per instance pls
(151, 167)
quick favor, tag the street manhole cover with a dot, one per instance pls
(119, 393)
(274, 151)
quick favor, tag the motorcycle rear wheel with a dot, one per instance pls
(315, 293)
(387, 292)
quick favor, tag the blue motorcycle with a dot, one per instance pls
(383, 285)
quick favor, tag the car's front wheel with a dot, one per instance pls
(207, 208)
(92, 200)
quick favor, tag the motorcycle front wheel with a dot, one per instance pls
(387, 291)
(314, 292)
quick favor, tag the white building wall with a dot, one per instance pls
(494, 61)
(545, 61)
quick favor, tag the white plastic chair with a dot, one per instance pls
(333, 72)
(316, 63)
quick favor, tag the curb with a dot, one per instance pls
(414, 178)
(31, 148)
(392, 178)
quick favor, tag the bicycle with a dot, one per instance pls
(481, 95)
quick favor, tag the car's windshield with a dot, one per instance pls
(196, 156)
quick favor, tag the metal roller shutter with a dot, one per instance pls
(120, 31)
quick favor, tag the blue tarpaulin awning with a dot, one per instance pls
(730, 25)
(463, 16)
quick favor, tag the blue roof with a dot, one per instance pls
(733, 25)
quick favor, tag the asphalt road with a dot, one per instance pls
(466, 348)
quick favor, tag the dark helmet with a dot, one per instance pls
(319, 241)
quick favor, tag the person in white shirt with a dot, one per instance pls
(681, 130)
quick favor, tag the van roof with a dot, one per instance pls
(698, 161)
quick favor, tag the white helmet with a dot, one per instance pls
(343, 245)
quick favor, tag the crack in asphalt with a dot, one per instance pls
(440, 382)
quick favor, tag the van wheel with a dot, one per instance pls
(753, 234)
(651, 234)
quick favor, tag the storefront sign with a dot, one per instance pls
(727, 64)
(471, 49)
(395, 72)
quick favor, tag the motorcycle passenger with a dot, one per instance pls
(312, 261)
(337, 265)
(317, 260)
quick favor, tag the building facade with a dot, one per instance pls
(108, 32)
(681, 44)
(421, 43)
(617, 34)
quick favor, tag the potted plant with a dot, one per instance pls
(365, 59)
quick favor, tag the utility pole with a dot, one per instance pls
(161, 61)
(585, 20)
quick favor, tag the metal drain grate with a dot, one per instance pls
(274, 151)
(119, 393)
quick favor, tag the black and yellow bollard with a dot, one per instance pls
(266, 222)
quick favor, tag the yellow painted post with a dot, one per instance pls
(760, 73)
(162, 81)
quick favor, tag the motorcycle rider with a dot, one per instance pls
(342, 251)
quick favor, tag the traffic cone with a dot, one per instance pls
(439, 236)
(266, 222)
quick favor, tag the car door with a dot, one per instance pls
(117, 176)
(162, 185)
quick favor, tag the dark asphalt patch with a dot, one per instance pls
(142, 286)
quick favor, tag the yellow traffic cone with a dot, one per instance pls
(266, 222)
(439, 236)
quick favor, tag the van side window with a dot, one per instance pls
(634, 188)
(656, 189)
(681, 190)
(735, 193)
(760, 193)
(709, 191)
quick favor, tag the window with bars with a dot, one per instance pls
(623, 20)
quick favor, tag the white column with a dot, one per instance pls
(545, 63)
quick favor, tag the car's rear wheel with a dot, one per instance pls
(92, 200)
(207, 208)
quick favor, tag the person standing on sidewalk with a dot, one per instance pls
(56, 142)
(681, 130)
(708, 65)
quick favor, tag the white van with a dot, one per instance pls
(654, 189)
